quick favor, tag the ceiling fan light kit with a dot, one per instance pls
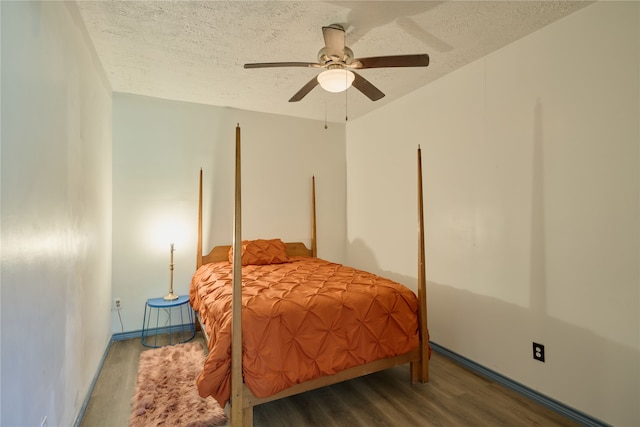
(336, 80)
(337, 60)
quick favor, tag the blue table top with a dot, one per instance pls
(162, 303)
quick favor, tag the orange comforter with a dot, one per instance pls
(300, 320)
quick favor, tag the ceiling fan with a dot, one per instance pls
(338, 62)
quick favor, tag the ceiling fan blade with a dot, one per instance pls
(282, 64)
(421, 60)
(305, 90)
(364, 86)
(334, 41)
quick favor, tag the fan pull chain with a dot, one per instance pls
(346, 115)
(325, 115)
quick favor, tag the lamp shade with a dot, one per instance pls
(336, 80)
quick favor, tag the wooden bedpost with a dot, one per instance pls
(236, 305)
(420, 370)
(199, 247)
(314, 245)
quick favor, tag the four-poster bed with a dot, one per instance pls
(306, 322)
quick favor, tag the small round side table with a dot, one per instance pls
(177, 309)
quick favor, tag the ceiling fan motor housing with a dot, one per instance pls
(327, 61)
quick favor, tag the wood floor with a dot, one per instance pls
(454, 396)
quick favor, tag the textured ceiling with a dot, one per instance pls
(195, 50)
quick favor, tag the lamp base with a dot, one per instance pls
(170, 296)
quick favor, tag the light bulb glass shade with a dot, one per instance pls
(335, 80)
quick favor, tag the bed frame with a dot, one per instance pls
(242, 400)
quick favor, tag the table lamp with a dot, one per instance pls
(171, 296)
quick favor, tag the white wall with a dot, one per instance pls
(159, 148)
(56, 213)
(532, 207)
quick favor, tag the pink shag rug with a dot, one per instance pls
(166, 392)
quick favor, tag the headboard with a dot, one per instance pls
(221, 253)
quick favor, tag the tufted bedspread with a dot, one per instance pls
(301, 320)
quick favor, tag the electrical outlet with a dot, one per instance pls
(538, 352)
(117, 303)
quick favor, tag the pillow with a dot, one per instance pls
(262, 252)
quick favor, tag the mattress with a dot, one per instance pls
(301, 319)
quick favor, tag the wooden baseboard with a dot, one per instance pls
(120, 336)
(559, 407)
(85, 403)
